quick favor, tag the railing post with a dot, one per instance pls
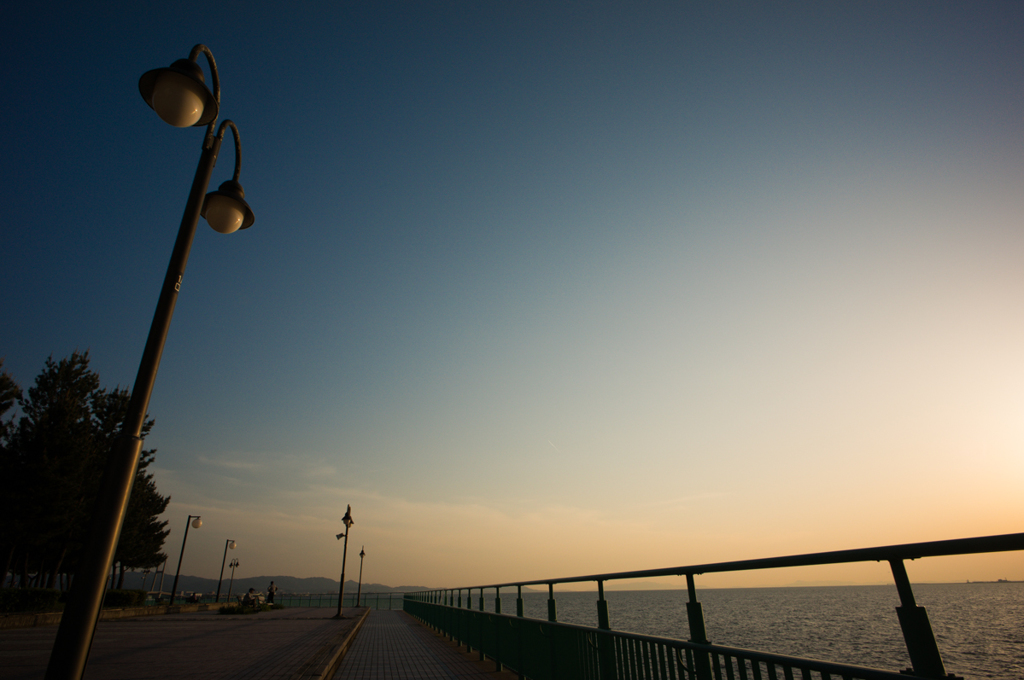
(917, 631)
(551, 603)
(519, 632)
(602, 608)
(480, 628)
(458, 619)
(605, 643)
(695, 616)
(497, 631)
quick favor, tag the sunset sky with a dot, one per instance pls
(545, 289)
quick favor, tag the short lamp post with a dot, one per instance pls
(233, 564)
(359, 591)
(180, 97)
(196, 523)
(227, 544)
(348, 521)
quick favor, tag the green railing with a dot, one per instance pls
(371, 600)
(548, 650)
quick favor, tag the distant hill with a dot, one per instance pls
(285, 584)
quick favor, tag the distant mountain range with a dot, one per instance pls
(285, 584)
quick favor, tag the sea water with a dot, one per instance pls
(979, 627)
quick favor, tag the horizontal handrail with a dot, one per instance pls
(907, 551)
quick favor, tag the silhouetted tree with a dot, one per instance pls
(54, 458)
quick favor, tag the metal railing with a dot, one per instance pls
(548, 650)
(371, 600)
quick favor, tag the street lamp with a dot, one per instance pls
(359, 593)
(228, 544)
(179, 95)
(196, 523)
(347, 519)
(232, 564)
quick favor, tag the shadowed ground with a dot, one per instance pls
(283, 644)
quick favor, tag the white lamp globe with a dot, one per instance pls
(197, 522)
(178, 99)
(226, 210)
(223, 213)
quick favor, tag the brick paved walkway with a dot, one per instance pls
(391, 645)
(275, 645)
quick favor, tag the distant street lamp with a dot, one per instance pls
(196, 523)
(233, 564)
(180, 97)
(227, 544)
(359, 592)
(347, 519)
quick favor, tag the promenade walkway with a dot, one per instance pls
(392, 645)
(286, 644)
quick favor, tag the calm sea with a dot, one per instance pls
(979, 627)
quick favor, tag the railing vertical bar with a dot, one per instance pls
(662, 669)
(741, 665)
(716, 666)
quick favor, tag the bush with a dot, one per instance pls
(124, 599)
(29, 599)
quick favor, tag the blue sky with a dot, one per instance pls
(545, 289)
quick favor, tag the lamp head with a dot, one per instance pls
(197, 522)
(179, 94)
(347, 519)
(231, 545)
(340, 536)
(362, 554)
(225, 210)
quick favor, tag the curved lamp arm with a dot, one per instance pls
(215, 77)
(238, 145)
(225, 209)
(194, 56)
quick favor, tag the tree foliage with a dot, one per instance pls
(52, 459)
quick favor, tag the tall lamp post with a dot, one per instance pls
(234, 563)
(359, 592)
(227, 544)
(180, 97)
(196, 523)
(347, 519)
